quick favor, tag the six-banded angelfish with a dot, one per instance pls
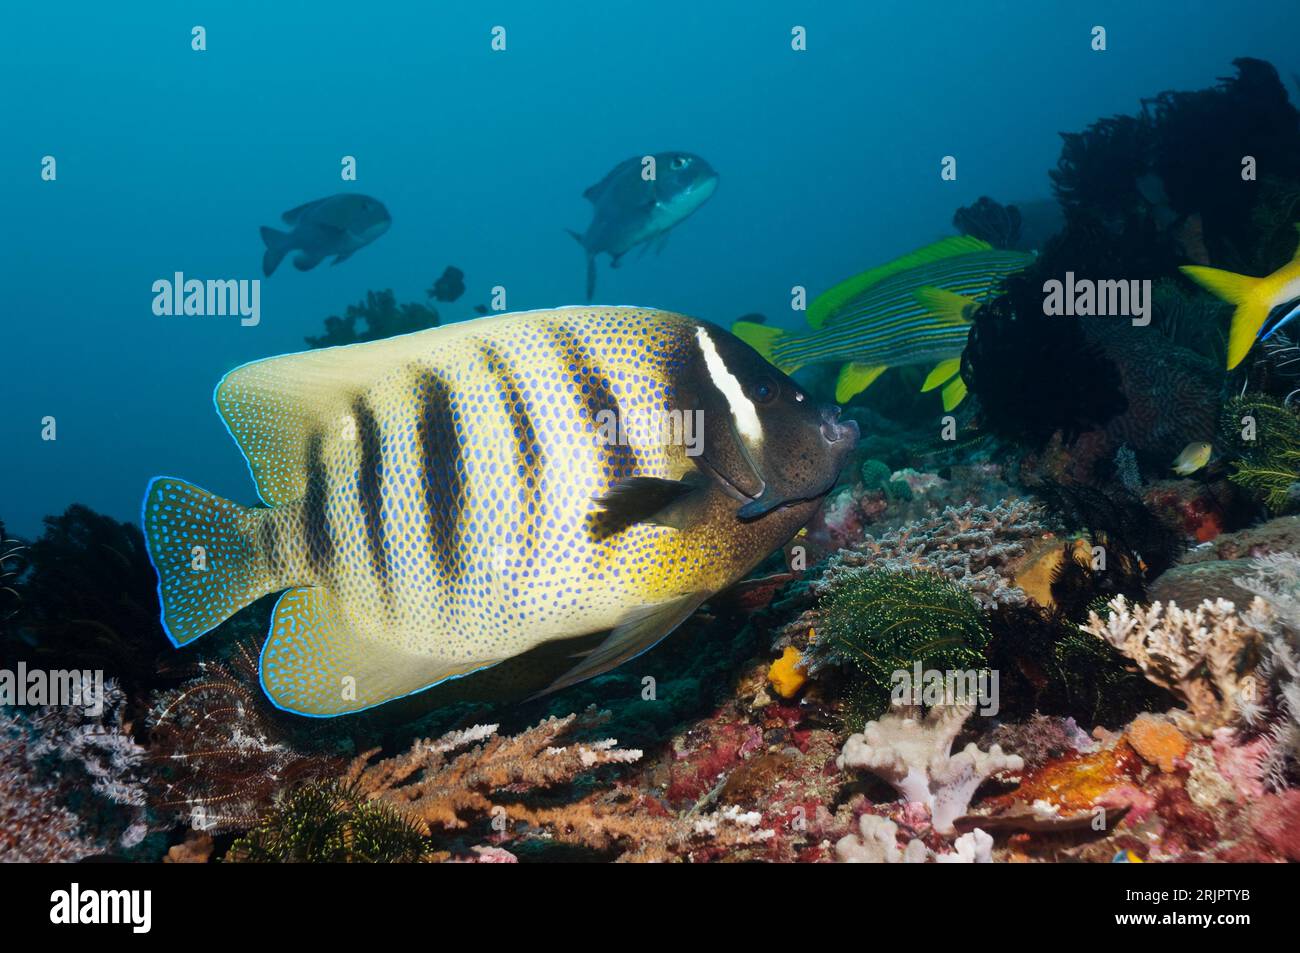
(633, 209)
(894, 315)
(1264, 305)
(443, 501)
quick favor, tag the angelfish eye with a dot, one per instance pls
(763, 392)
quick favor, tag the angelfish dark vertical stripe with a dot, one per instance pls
(316, 521)
(526, 472)
(442, 473)
(584, 378)
(370, 476)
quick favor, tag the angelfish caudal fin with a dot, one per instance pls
(205, 551)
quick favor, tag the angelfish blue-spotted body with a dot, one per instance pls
(439, 502)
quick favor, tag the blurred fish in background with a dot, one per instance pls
(338, 226)
(639, 201)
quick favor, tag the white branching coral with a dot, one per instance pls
(1203, 656)
(876, 842)
(1276, 584)
(912, 751)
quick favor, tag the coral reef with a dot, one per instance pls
(972, 545)
(1047, 664)
(880, 622)
(1266, 434)
(221, 756)
(88, 600)
(912, 751)
(330, 823)
(999, 225)
(1204, 656)
(99, 764)
(35, 827)
(382, 316)
(493, 780)
(1275, 711)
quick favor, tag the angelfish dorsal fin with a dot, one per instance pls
(278, 408)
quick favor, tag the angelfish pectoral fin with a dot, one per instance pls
(640, 631)
(314, 664)
(650, 500)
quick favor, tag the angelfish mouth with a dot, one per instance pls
(835, 430)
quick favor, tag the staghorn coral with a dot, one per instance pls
(913, 752)
(442, 791)
(1203, 656)
(500, 778)
(221, 755)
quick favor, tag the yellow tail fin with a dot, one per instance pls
(949, 306)
(762, 339)
(855, 378)
(1247, 293)
(942, 373)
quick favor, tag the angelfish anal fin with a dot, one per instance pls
(641, 630)
(314, 664)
